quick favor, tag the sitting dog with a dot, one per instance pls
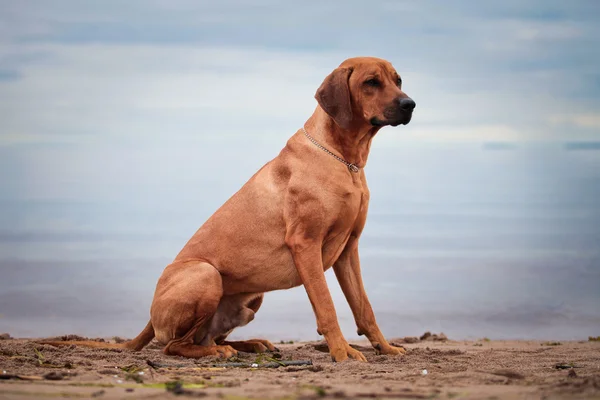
(300, 214)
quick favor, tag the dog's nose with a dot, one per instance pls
(407, 104)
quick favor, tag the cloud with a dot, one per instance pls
(588, 120)
(549, 31)
(158, 92)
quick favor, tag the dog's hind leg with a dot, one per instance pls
(235, 311)
(186, 298)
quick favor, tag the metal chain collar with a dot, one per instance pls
(351, 167)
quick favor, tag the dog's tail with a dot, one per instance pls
(136, 344)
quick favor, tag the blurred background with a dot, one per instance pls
(126, 124)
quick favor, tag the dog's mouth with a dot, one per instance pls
(402, 119)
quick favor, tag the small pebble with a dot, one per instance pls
(141, 373)
(424, 372)
(254, 365)
(119, 381)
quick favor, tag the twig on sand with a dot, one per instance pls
(21, 377)
(273, 364)
(156, 365)
(264, 365)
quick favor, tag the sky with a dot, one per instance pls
(108, 91)
(156, 111)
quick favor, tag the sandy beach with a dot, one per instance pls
(431, 369)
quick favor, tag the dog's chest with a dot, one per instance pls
(350, 220)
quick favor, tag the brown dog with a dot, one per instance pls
(301, 213)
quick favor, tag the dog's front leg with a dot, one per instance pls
(347, 271)
(307, 258)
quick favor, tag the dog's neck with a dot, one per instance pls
(352, 144)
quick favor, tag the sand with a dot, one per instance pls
(455, 370)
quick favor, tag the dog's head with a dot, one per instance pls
(365, 90)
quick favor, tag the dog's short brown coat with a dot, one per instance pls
(300, 214)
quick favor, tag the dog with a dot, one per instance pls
(300, 214)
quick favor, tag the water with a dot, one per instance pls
(473, 241)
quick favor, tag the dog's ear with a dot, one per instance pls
(334, 97)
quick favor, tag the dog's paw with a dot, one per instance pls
(345, 352)
(225, 351)
(390, 350)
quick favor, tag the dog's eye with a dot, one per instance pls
(374, 82)
(399, 82)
